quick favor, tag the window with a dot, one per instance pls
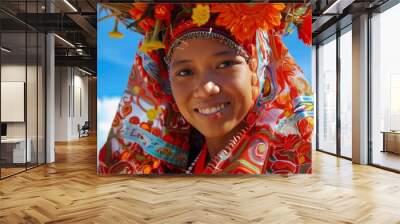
(327, 96)
(346, 93)
(385, 89)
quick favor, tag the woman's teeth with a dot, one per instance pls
(211, 110)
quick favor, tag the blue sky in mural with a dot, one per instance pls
(115, 58)
(300, 52)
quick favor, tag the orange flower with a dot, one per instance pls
(304, 30)
(163, 11)
(156, 132)
(284, 65)
(306, 127)
(145, 126)
(126, 110)
(242, 20)
(117, 120)
(134, 120)
(137, 10)
(147, 24)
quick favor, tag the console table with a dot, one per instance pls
(391, 141)
(13, 150)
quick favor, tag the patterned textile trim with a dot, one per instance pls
(303, 108)
(156, 146)
(264, 70)
(203, 34)
(241, 149)
(294, 118)
(303, 103)
(151, 67)
(282, 166)
(242, 165)
(303, 99)
(263, 99)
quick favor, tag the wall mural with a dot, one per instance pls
(204, 88)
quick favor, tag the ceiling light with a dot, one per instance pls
(337, 7)
(84, 71)
(5, 50)
(70, 5)
(65, 41)
(333, 6)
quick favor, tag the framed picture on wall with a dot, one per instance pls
(12, 101)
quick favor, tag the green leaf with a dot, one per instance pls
(301, 11)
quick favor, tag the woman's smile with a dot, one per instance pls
(214, 111)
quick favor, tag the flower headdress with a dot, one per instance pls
(252, 29)
(165, 25)
(162, 23)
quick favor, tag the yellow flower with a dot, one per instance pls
(151, 45)
(115, 33)
(201, 14)
(152, 114)
(136, 90)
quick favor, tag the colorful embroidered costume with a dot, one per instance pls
(150, 136)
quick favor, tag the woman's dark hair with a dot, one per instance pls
(196, 141)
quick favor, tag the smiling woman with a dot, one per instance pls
(212, 88)
(211, 92)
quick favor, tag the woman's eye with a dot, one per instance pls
(226, 64)
(184, 73)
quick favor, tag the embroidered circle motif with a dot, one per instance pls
(257, 151)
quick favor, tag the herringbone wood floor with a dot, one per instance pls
(69, 191)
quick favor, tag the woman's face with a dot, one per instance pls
(211, 86)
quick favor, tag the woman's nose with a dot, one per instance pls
(208, 89)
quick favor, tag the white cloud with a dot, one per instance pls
(106, 109)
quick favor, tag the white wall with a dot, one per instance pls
(61, 103)
(71, 94)
(80, 114)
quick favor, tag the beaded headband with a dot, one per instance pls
(209, 35)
